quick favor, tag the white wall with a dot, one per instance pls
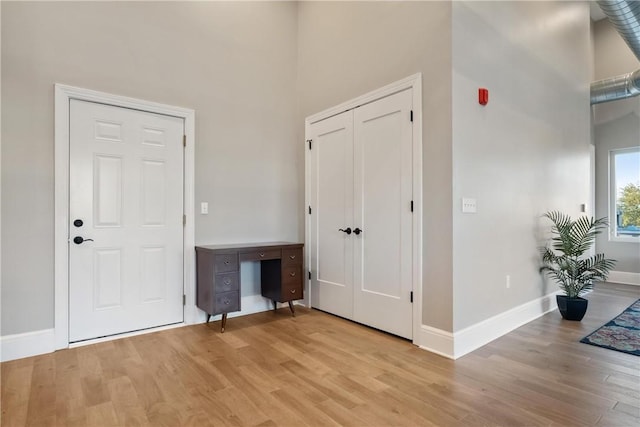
(347, 49)
(616, 125)
(233, 62)
(524, 153)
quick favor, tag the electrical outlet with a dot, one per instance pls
(204, 208)
(468, 205)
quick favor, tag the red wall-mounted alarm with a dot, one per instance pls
(483, 96)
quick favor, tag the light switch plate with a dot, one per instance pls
(204, 208)
(468, 205)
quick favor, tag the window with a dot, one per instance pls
(624, 218)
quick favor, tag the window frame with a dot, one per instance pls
(613, 194)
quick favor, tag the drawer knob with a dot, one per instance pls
(261, 254)
(292, 256)
(227, 281)
(226, 262)
(293, 274)
(293, 291)
(227, 302)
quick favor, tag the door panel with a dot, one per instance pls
(332, 203)
(126, 185)
(383, 193)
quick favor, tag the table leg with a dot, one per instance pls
(208, 317)
(293, 311)
(275, 306)
(224, 322)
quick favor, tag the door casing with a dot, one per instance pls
(63, 95)
(414, 82)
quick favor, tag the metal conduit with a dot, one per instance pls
(625, 16)
(614, 88)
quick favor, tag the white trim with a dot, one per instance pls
(406, 83)
(126, 335)
(436, 341)
(624, 277)
(26, 345)
(250, 304)
(457, 344)
(612, 197)
(63, 95)
(412, 82)
(475, 336)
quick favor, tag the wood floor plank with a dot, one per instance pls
(272, 369)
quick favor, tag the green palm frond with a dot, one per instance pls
(564, 261)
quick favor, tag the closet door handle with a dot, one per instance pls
(348, 230)
(357, 231)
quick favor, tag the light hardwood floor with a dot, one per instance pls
(315, 369)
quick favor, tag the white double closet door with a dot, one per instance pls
(126, 200)
(361, 181)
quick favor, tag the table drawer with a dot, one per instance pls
(291, 291)
(292, 257)
(227, 282)
(225, 262)
(292, 275)
(260, 255)
(227, 302)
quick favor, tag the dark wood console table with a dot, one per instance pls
(218, 275)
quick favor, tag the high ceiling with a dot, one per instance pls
(596, 13)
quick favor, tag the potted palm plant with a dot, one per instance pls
(566, 263)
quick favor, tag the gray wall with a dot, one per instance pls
(253, 72)
(347, 49)
(234, 63)
(524, 153)
(616, 125)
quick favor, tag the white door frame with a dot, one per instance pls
(63, 95)
(412, 82)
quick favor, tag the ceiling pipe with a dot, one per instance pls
(625, 17)
(614, 88)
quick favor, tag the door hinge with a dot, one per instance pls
(184, 220)
(309, 141)
(184, 140)
(184, 299)
(411, 115)
(309, 275)
(411, 297)
(309, 210)
(412, 206)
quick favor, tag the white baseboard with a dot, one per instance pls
(624, 277)
(475, 336)
(26, 345)
(436, 341)
(249, 304)
(34, 343)
(457, 344)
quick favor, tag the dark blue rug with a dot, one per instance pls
(621, 334)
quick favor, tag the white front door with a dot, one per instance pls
(332, 204)
(126, 196)
(382, 210)
(361, 181)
